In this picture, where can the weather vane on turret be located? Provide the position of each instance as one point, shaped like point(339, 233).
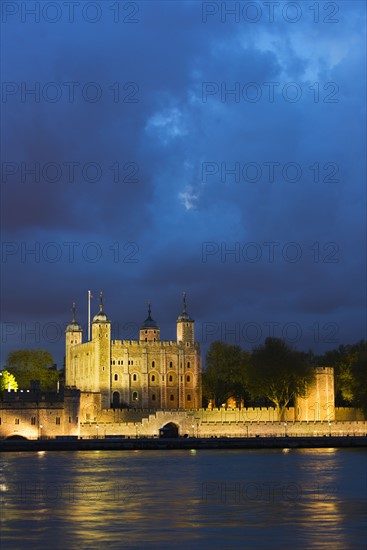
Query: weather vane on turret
point(101, 301)
point(184, 302)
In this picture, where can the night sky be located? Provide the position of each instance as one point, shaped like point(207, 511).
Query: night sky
point(152, 148)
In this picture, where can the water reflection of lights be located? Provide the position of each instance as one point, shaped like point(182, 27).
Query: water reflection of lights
point(326, 450)
point(41, 453)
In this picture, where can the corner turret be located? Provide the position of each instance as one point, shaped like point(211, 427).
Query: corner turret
point(185, 326)
point(149, 330)
point(74, 336)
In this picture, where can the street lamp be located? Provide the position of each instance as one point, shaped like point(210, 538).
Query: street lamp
point(285, 429)
point(329, 428)
point(193, 430)
point(97, 430)
point(40, 431)
point(246, 430)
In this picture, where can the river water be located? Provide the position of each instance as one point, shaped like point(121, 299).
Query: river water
point(184, 499)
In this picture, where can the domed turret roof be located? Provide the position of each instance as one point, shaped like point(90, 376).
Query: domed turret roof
point(73, 326)
point(149, 322)
point(100, 317)
point(184, 316)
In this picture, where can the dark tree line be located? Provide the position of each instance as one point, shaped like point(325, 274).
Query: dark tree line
point(275, 373)
point(27, 365)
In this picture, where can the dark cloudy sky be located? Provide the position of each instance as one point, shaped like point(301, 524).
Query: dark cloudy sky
point(173, 146)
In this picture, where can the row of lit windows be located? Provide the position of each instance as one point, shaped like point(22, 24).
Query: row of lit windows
point(153, 397)
point(33, 420)
point(152, 378)
point(131, 362)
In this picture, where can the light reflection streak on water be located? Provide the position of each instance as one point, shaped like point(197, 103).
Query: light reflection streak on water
point(177, 499)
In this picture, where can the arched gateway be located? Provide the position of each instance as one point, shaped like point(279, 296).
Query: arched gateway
point(169, 430)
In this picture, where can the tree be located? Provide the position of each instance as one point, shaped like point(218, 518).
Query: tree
point(7, 381)
point(279, 373)
point(350, 367)
point(225, 372)
point(37, 364)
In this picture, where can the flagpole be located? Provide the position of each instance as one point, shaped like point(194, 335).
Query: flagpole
point(88, 315)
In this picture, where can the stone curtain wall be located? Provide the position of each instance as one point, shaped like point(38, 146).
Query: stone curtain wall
point(82, 416)
point(217, 423)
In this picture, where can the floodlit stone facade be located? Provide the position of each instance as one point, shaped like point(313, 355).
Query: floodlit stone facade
point(147, 373)
point(319, 403)
point(36, 414)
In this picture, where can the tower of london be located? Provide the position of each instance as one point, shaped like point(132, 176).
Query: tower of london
point(148, 373)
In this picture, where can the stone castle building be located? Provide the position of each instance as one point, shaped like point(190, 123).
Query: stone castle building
point(145, 374)
point(135, 388)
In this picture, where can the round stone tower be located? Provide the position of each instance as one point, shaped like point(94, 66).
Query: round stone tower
point(74, 334)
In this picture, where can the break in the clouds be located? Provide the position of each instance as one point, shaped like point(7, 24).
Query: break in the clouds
point(169, 147)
